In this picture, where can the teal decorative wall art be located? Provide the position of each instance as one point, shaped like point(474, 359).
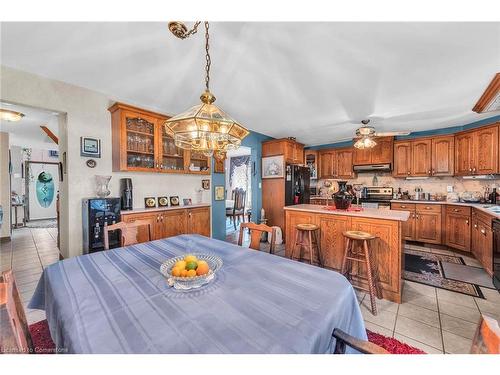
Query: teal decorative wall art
point(44, 189)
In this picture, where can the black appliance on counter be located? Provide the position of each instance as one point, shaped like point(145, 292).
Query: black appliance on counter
point(126, 191)
point(376, 197)
point(297, 184)
point(96, 213)
point(496, 253)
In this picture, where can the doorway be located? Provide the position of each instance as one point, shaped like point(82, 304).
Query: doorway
point(238, 187)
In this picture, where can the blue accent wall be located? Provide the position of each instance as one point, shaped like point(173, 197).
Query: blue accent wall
point(425, 133)
point(254, 142)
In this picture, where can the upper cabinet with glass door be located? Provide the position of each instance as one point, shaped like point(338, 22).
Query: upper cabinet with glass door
point(140, 144)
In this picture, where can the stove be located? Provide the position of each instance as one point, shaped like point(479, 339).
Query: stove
point(376, 197)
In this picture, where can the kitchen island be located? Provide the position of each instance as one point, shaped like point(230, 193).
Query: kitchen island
point(386, 249)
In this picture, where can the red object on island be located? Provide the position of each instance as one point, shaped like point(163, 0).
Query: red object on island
point(350, 209)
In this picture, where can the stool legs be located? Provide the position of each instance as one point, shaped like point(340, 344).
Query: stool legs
point(308, 240)
point(371, 285)
point(298, 235)
point(318, 247)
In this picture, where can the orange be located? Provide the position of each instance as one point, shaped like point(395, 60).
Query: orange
point(203, 268)
point(181, 264)
point(184, 273)
point(190, 258)
point(176, 271)
point(191, 273)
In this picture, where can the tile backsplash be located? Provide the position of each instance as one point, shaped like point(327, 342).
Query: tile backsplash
point(431, 185)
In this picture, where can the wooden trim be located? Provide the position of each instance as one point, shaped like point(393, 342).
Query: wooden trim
point(488, 94)
point(131, 108)
point(49, 133)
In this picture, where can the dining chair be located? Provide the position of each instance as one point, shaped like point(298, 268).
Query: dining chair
point(130, 233)
point(15, 336)
point(238, 209)
point(485, 341)
point(256, 231)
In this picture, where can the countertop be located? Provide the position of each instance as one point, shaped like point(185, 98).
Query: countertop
point(372, 213)
point(480, 206)
point(170, 208)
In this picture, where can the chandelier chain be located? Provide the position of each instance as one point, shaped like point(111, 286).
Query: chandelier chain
point(207, 57)
point(194, 30)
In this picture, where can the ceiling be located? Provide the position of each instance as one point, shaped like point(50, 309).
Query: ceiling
point(27, 131)
point(313, 81)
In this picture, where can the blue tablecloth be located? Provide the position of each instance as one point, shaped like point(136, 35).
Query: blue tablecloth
point(117, 301)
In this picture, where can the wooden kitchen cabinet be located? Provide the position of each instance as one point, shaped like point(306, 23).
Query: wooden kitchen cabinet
point(343, 165)
point(402, 159)
point(476, 151)
point(140, 144)
point(198, 221)
point(326, 164)
point(457, 227)
point(169, 223)
point(332, 241)
point(428, 223)
point(382, 153)
point(292, 151)
point(407, 227)
point(443, 156)
point(482, 239)
point(421, 157)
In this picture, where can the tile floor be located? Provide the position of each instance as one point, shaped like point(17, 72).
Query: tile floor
point(432, 319)
point(30, 250)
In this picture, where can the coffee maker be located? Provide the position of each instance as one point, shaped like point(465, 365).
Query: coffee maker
point(126, 191)
point(96, 213)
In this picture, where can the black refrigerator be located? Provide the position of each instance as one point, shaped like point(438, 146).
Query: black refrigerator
point(297, 181)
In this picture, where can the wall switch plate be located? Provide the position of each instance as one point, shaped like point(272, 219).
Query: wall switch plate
point(260, 185)
point(449, 189)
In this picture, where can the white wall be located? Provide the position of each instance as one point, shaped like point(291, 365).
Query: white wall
point(5, 184)
point(84, 113)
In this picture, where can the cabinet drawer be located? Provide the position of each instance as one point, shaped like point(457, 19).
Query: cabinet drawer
point(428, 208)
point(403, 206)
point(483, 217)
point(459, 210)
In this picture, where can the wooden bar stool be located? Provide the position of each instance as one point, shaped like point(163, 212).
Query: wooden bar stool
point(307, 236)
point(361, 254)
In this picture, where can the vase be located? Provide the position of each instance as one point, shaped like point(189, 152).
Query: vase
point(342, 198)
point(102, 183)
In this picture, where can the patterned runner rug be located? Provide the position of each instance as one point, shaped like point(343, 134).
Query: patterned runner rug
point(426, 268)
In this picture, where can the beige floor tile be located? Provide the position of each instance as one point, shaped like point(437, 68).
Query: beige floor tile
point(417, 344)
point(35, 316)
point(489, 308)
point(491, 295)
point(458, 326)
point(382, 304)
point(456, 298)
point(462, 312)
point(413, 287)
point(424, 333)
point(455, 344)
point(472, 262)
point(384, 319)
point(419, 314)
point(378, 329)
point(427, 301)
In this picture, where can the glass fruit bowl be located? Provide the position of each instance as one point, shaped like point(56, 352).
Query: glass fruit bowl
point(185, 283)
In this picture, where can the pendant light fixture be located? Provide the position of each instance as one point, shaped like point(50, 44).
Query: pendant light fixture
point(205, 127)
point(12, 116)
point(365, 134)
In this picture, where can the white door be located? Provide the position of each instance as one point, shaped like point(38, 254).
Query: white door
point(43, 187)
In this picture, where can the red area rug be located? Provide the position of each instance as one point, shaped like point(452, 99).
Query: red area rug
point(43, 342)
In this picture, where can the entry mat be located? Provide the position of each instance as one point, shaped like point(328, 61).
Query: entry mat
point(427, 268)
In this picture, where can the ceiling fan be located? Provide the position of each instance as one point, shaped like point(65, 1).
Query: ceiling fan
point(364, 135)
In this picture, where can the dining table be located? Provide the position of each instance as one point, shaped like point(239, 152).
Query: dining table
point(118, 301)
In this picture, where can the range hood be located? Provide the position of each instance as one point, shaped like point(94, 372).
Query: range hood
point(481, 177)
point(372, 168)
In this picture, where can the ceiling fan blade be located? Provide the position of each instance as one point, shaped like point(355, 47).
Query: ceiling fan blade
point(391, 134)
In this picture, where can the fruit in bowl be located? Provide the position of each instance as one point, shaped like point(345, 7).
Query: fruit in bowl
point(190, 266)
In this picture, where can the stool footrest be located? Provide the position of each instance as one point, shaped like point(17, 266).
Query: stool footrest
point(362, 260)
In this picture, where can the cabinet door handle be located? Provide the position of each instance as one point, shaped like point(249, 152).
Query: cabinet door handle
point(483, 232)
point(429, 171)
point(403, 206)
point(455, 210)
point(408, 173)
point(157, 218)
point(474, 169)
point(475, 225)
point(467, 222)
point(470, 169)
point(161, 166)
point(427, 208)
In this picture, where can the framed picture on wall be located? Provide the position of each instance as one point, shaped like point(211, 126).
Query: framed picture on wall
point(205, 184)
point(273, 167)
point(90, 147)
point(219, 193)
point(219, 165)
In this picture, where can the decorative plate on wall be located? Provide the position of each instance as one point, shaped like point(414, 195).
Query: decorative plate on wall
point(174, 201)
